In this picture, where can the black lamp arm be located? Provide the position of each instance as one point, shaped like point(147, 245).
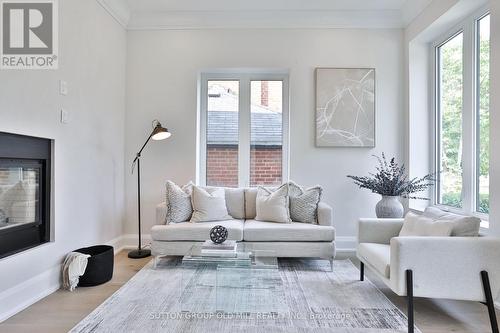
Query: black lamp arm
point(155, 123)
point(138, 155)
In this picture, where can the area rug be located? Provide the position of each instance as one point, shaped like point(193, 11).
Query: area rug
point(302, 296)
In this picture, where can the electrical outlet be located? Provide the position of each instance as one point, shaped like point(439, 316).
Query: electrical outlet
point(63, 87)
point(64, 116)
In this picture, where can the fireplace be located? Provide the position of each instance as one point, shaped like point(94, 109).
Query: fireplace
point(25, 192)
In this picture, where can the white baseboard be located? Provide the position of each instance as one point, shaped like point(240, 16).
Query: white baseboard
point(129, 241)
point(19, 297)
point(345, 244)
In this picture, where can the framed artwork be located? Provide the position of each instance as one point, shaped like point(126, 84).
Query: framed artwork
point(345, 107)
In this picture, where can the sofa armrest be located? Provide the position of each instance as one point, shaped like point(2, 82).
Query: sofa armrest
point(325, 214)
point(378, 230)
point(161, 213)
point(445, 267)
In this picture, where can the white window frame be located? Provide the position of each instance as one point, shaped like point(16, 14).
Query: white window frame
point(468, 27)
point(245, 77)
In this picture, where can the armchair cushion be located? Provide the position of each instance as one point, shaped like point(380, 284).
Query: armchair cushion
point(419, 225)
point(463, 226)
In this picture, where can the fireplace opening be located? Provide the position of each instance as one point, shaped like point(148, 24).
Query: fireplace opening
point(24, 192)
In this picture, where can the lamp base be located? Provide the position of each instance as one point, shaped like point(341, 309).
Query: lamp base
point(139, 253)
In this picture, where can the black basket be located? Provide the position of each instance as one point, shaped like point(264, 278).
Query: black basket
point(99, 266)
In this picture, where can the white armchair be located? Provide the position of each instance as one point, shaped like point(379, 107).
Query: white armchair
point(460, 268)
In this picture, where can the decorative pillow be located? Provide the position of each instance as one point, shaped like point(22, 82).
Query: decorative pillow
point(304, 203)
point(208, 204)
point(463, 226)
point(235, 200)
point(178, 201)
point(272, 206)
point(419, 225)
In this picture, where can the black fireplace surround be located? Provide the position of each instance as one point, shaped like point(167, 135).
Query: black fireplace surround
point(25, 192)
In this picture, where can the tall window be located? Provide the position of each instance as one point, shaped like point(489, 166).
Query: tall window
point(244, 128)
point(462, 117)
point(450, 59)
point(483, 114)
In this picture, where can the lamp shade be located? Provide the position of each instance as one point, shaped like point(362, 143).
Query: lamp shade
point(160, 133)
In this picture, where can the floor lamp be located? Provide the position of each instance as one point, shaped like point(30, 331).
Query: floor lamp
point(158, 133)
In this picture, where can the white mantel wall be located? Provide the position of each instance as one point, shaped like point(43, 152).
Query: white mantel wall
point(88, 165)
point(162, 73)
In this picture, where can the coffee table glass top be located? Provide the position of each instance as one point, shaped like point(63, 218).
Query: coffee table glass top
point(245, 256)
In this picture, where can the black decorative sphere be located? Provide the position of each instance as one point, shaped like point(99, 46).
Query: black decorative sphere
point(218, 234)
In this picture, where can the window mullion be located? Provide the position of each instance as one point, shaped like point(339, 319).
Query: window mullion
point(244, 132)
point(468, 119)
point(202, 154)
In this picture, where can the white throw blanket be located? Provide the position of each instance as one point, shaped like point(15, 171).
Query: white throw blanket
point(73, 267)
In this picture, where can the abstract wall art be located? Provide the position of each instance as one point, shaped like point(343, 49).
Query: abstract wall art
point(345, 107)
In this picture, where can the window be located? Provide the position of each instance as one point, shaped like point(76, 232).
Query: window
point(450, 60)
point(243, 129)
point(483, 114)
point(462, 117)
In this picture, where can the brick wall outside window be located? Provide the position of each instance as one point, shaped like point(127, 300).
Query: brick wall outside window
point(265, 166)
point(222, 166)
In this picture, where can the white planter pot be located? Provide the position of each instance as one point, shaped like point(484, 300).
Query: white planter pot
point(389, 207)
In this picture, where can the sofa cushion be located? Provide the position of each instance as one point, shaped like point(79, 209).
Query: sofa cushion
point(208, 204)
point(260, 231)
point(273, 205)
point(187, 231)
point(463, 226)
point(250, 202)
point(235, 202)
point(377, 255)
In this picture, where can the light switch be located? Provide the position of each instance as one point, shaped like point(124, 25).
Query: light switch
point(63, 87)
point(64, 116)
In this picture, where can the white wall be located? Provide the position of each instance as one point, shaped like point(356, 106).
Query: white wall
point(162, 73)
point(89, 179)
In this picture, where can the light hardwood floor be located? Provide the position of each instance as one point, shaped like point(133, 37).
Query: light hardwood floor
point(61, 310)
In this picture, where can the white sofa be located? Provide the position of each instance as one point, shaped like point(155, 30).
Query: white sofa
point(460, 268)
point(285, 239)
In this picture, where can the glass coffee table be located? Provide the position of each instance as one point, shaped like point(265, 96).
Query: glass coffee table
point(249, 282)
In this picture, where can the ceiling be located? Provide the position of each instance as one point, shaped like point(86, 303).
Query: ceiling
point(199, 14)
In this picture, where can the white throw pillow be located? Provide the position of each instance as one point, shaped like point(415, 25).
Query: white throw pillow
point(178, 201)
point(419, 225)
point(304, 203)
point(272, 206)
point(463, 226)
point(208, 204)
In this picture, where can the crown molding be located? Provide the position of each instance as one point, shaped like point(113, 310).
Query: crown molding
point(157, 19)
point(264, 20)
point(118, 10)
